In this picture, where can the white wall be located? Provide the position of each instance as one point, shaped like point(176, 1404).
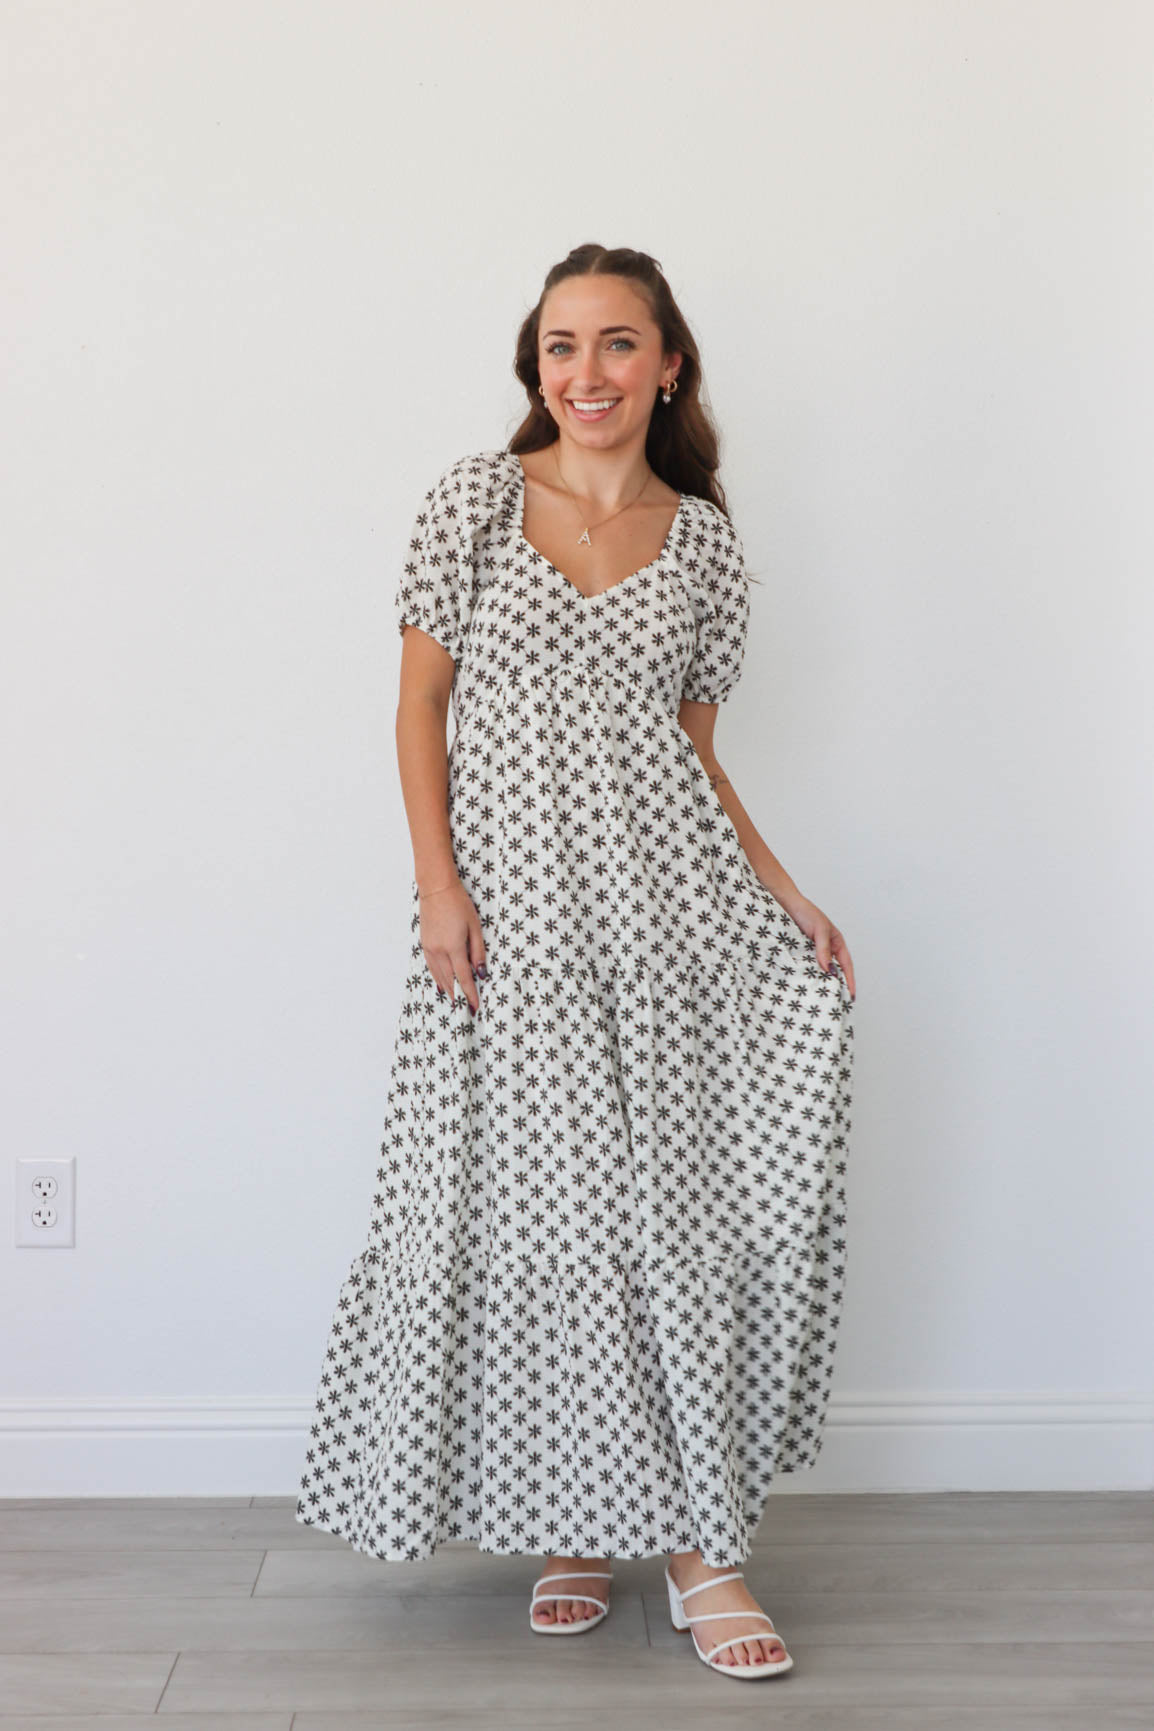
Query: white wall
point(265, 263)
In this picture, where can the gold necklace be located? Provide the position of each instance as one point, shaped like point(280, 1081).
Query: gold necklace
point(584, 536)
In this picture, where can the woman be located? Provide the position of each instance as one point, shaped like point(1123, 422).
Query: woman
point(598, 1309)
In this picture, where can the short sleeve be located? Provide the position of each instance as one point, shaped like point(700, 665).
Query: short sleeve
point(722, 607)
point(436, 584)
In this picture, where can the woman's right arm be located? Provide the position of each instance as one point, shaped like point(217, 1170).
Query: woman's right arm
point(451, 936)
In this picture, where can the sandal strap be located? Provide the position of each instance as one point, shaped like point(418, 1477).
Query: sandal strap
point(722, 1616)
point(716, 1582)
point(539, 1597)
point(575, 1574)
point(588, 1597)
point(721, 1645)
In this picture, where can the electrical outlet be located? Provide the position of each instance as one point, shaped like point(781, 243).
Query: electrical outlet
point(46, 1202)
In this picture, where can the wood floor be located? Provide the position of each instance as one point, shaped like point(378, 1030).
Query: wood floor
point(1009, 1612)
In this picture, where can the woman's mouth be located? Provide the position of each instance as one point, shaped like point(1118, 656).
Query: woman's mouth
point(592, 408)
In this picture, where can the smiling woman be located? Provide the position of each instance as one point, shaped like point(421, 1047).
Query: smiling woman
point(597, 1311)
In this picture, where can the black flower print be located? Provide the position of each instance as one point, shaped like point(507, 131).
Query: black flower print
point(598, 1306)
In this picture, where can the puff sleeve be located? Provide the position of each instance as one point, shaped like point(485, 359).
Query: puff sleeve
point(722, 616)
point(435, 591)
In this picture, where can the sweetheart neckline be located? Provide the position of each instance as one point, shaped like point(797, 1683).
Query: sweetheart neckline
point(568, 581)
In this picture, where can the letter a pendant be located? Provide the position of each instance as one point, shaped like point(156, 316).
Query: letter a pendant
point(584, 538)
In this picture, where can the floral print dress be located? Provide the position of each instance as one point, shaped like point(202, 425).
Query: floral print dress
point(597, 1310)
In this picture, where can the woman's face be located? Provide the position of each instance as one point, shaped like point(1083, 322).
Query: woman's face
point(598, 344)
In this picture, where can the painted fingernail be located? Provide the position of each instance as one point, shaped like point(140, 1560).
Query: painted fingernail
point(483, 971)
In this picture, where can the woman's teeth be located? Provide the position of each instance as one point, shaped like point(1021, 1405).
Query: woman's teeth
point(600, 407)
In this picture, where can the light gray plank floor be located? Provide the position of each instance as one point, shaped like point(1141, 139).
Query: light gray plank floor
point(939, 1612)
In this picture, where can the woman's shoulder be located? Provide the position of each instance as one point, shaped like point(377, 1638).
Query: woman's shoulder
point(479, 472)
point(709, 517)
point(480, 468)
point(475, 489)
point(709, 545)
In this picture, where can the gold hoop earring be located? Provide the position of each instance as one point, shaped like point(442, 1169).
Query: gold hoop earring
point(666, 396)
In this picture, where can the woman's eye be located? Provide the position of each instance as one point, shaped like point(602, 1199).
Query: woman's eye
point(552, 348)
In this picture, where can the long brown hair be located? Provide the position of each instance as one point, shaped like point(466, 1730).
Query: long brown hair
point(682, 442)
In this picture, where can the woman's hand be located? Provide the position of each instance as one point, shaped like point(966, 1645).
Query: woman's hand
point(452, 941)
point(825, 935)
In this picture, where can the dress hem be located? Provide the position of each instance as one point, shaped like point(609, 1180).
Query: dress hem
point(475, 1541)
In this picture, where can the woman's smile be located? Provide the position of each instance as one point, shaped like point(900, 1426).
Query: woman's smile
point(592, 408)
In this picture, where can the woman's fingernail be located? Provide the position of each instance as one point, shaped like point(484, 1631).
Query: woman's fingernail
point(482, 971)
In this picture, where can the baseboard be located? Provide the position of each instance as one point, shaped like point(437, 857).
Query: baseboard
point(189, 1446)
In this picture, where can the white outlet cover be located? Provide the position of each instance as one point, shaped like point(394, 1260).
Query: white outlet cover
point(33, 1204)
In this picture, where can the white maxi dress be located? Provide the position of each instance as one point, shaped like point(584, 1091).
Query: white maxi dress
point(598, 1305)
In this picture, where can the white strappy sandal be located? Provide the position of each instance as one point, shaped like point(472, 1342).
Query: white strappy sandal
point(768, 1667)
point(582, 1623)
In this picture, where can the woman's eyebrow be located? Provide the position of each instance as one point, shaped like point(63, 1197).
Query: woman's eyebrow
point(605, 331)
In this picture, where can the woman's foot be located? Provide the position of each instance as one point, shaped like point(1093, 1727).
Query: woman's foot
point(688, 1570)
point(571, 1610)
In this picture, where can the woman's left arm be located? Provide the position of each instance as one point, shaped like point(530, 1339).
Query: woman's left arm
point(698, 720)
